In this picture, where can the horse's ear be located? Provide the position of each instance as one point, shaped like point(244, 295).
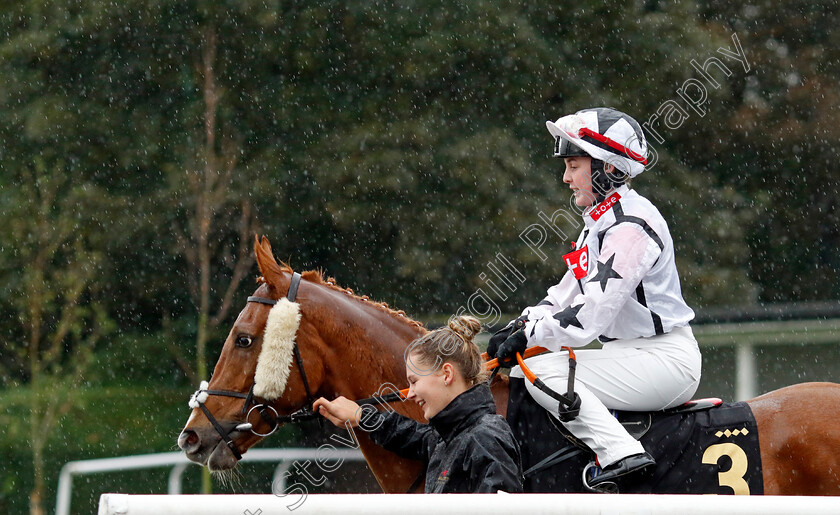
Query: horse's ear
point(269, 268)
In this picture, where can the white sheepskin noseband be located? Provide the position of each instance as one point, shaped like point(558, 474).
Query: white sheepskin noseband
point(275, 359)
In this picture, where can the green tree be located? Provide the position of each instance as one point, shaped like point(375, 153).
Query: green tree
point(51, 264)
point(781, 148)
point(400, 147)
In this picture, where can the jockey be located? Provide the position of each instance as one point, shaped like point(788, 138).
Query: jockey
point(621, 287)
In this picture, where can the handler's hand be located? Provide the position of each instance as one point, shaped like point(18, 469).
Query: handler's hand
point(337, 411)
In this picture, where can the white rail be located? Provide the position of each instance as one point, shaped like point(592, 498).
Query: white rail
point(457, 504)
point(746, 337)
point(179, 462)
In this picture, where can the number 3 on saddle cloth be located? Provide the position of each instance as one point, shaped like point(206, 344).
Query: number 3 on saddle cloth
point(704, 450)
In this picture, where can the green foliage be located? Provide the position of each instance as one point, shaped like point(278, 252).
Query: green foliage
point(102, 422)
point(383, 143)
point(398, 146)
point(781, 147)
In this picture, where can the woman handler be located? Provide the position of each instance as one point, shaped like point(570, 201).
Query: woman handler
point(621, 287)
point(466, 447)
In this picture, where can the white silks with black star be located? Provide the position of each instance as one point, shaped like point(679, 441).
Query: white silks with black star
point(631, 288)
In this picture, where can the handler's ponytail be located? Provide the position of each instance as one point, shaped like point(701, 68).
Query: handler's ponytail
point(453, 344)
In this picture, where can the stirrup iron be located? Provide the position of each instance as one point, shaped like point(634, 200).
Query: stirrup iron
point(591, 471)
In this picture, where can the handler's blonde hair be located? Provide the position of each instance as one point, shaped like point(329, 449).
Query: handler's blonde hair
point(452, 344)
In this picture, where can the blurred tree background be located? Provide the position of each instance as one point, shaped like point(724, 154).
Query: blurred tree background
point(398, 146)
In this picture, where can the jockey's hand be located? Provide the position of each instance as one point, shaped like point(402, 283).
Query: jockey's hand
point(502, 334)
point(338, 411)
point(516, 342)
point(498, 338)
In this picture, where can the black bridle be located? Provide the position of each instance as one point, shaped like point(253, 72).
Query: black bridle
point(267, 412)
point(291, 295)
point(304, 413)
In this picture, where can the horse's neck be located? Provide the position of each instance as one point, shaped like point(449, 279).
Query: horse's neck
point(364, 348)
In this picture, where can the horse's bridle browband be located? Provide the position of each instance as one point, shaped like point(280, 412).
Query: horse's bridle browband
point(273, 420)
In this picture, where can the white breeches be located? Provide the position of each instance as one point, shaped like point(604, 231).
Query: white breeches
point(643, 374)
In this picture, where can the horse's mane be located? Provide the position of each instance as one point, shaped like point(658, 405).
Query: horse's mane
point(317, 277)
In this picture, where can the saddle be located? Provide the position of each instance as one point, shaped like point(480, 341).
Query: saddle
point(637, 423)
point(703, 447)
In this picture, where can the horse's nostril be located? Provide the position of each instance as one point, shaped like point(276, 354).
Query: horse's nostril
point(188, 440)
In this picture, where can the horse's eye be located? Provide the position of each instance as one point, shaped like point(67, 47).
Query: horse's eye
point(243, 341)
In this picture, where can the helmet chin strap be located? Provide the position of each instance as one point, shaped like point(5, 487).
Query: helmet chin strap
point(603, 182)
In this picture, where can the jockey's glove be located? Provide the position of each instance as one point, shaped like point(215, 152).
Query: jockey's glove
point(502, 334)
point(515, 343)
point(498, 338)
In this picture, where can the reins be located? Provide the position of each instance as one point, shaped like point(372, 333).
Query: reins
point(568, 408)
point(569, 404)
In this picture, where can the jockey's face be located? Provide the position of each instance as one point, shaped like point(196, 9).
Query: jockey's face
point(578, 176)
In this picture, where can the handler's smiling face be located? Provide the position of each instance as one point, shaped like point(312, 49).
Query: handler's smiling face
point(426, 387)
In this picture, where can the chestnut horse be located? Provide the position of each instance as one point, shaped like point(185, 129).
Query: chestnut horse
point(351, 346)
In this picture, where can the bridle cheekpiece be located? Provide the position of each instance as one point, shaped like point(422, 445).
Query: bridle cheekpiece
point(198, 399)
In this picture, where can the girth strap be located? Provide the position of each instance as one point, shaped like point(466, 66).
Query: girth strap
point(561, 455)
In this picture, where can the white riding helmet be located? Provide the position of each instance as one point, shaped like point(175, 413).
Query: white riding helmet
point(602, 133)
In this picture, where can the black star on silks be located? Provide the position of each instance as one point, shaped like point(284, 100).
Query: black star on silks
point(568, 317)
point(605, 273)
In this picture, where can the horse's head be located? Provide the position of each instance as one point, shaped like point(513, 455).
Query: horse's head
point(256, 384)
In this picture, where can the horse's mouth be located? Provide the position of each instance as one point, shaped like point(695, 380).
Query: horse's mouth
point(216, 457)
point(221, 458)
point(212, 452)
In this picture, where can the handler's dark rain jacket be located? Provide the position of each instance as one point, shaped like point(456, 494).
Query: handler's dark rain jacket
point(466, 447)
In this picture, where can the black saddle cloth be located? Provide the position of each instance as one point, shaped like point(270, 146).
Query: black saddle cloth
point(712, 451)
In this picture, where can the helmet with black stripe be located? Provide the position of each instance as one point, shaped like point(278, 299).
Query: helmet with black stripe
point(607, 136)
